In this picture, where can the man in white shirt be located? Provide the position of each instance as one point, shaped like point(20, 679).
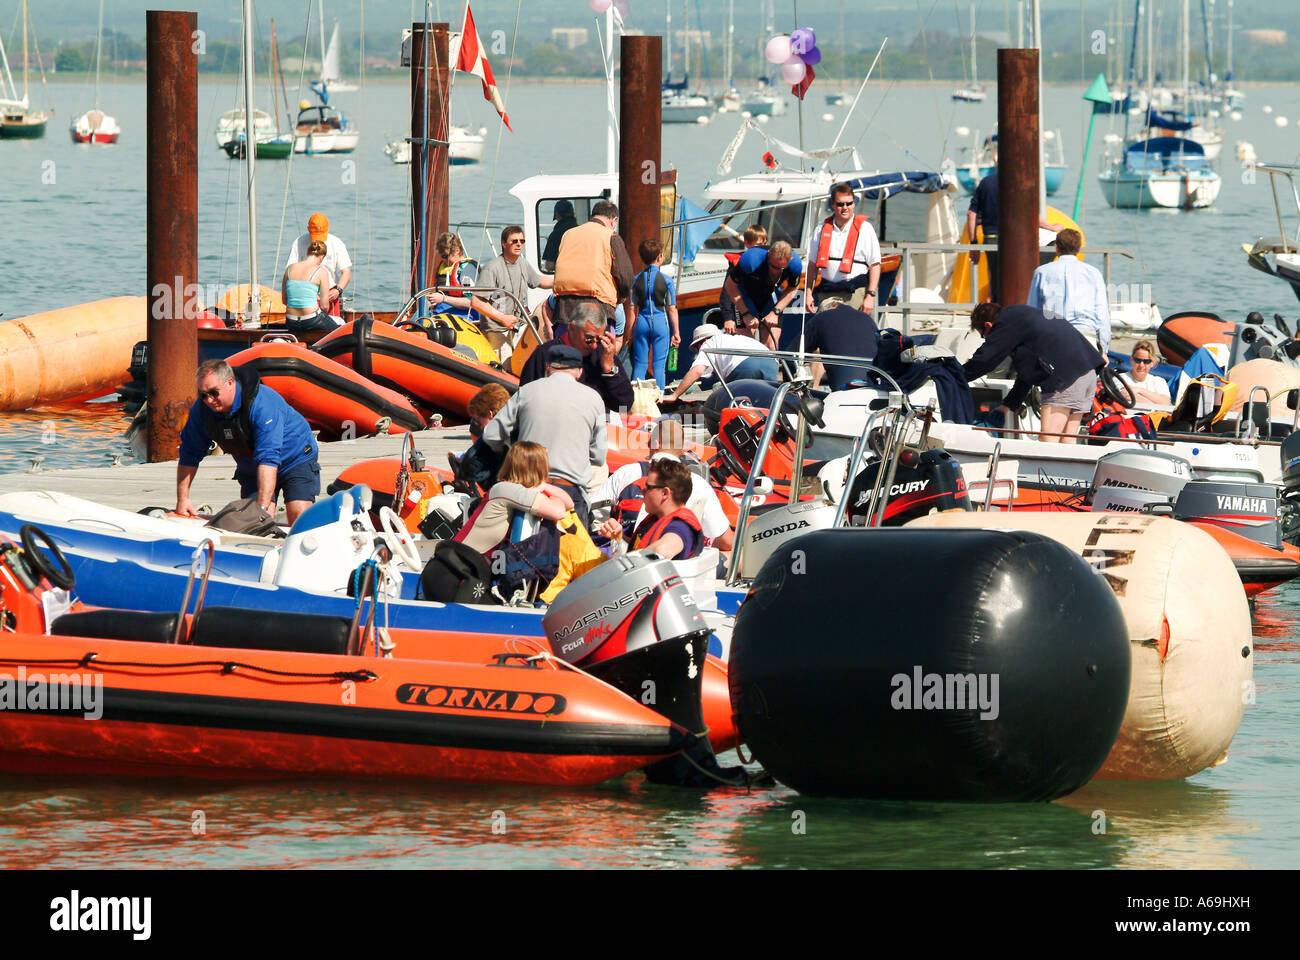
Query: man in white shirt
point(725, 367)
point(336, 261)
point(622, 495)
point(846, 251)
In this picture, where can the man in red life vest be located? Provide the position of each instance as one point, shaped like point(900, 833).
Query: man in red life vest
point(847, 254)
point(670, 528)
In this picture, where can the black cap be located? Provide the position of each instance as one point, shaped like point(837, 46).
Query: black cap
point(561, 357)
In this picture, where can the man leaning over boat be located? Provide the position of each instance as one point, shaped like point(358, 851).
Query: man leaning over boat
point(272, 444)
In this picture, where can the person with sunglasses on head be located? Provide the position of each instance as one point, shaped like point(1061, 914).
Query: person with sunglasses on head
point(272, 444)
point(515, 274)
point(589, 334)
point(848, 255)
point(1149, 390)
point(670, 528)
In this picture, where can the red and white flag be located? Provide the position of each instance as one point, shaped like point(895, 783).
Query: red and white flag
point(469, 55)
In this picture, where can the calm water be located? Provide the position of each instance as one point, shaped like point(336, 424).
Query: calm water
point(1239, 815)
point(74, 231)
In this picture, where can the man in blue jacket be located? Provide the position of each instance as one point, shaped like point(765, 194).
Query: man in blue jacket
point(1045, 352)
point(270, 441)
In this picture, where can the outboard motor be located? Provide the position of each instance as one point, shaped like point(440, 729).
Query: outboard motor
point(1289, 453)
point(632, 623)
point(766, 532)
point(923, 483)
point(623, 605)
point(1247, 509)
point(1127, 481)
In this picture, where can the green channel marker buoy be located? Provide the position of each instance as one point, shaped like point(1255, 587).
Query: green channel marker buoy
point(1099, 92)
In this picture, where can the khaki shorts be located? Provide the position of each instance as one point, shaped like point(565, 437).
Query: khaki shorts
point(1076, 397)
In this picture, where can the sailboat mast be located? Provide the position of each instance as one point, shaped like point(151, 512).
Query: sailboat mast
point(252, 317)
point(686, 40)
point(668, 36)
point(1187, 51)
point(320, 7)
point(270, 78)
point(24, 53)
point(731, 34)
point(1228, 74)
point(974, 77)
point(99, 46)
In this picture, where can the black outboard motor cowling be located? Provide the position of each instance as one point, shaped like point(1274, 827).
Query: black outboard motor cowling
point(923, 483)
point(1250, 510)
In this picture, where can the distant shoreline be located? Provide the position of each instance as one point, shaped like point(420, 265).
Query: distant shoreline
point(392, 77)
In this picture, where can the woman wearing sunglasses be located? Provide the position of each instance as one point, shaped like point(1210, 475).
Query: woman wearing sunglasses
point(1151, 391)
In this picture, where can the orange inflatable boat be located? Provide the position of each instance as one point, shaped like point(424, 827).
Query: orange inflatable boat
point(1182, 334)
point(334, 399)
point(254, 693)
point(440, 377)
point(79, 352)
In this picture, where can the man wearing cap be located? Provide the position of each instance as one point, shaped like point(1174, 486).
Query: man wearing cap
point(622, 496)
point(713, 366)
point(562, 415)
point(336, 261)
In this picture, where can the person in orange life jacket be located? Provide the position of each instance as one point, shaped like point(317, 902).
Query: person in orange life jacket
point(270, 441)
point(670, 528)
point(622, 495)
point(653, 294)
point(847, 255)
point(592, 266)
point(521, 485)
point(755, 235)
point(765, 282)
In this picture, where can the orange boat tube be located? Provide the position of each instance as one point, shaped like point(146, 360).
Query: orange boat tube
point(75, 352)
point(1259, 566)
point(440, 377)
point(331, 397)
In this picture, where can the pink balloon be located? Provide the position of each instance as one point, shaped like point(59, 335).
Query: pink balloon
point(778, 50)
point(600, 6)
point(793, 71)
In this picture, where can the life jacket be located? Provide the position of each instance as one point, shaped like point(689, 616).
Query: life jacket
point(234, 435)
point(850, 245)
point(629, 501)
point(650, 301)
point(652, 528)
point(1137, 427)
point(584, 266)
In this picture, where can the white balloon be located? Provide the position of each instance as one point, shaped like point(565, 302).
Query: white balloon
point(1280, 121)
point(778, 50)
point(793, 71)
point(600, 6)
point(828, 117)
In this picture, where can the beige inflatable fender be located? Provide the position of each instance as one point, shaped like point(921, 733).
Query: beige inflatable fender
point(1189, 633)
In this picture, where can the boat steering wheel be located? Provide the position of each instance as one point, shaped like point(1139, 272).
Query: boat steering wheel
point(54, 567)
point(399, 539)
point(1117, 389)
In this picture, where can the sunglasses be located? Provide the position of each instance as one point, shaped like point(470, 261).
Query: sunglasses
point(516, 240)
point(588, 338)
point(656, 486)
point(212, 394)
point(1145, 362)
point(846, 203)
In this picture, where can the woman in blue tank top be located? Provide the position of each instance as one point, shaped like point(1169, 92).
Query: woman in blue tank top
point(306, 290)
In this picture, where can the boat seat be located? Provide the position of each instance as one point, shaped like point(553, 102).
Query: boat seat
point(138, 625)
point(270, 630)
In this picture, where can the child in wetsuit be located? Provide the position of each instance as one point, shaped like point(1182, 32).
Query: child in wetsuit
point(656, 303)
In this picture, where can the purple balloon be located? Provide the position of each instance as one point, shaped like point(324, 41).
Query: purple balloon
point(812, 57)
point(803, 40)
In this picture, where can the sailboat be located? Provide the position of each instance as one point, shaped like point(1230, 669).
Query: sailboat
point(329, 68)
point(680, 103)
point(270, 144)
point(17, 119)
point(95, 126)
point(974, 91)
point(766, 100)
point(321, 128)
